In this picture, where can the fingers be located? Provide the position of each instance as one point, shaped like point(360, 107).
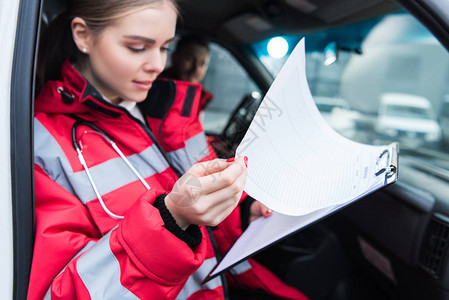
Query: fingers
point(208, 209)
point(258, 210)
point(226, 197)
point(226, 177)
point(217, 206)
point(214, 207)
point(264, 210)
point(209, 167)
point(207, 193)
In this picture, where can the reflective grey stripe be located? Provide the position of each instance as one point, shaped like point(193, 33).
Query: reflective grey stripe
point(241, 268)
point(195, 149)
point(50, 157)
point(48, 294)
point(87, 246)
point(193, 284)
point(99, 270)
point(114, 173)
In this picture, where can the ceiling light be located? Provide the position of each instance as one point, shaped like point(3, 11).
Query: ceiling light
point(277, 47)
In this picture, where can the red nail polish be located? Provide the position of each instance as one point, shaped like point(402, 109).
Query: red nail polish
point(245, 159)
point(230, 159)
point(267, 213)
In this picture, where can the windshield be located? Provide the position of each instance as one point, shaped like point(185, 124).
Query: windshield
point(325, 108)
point(392, 57)
point(411, 112)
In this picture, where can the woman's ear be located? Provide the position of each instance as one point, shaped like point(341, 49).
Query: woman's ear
point(81, 34)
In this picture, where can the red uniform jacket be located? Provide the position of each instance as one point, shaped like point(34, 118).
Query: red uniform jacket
point(83, 253)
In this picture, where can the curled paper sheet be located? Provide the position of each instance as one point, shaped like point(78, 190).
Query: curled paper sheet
point(299, 166)
point(296, 162)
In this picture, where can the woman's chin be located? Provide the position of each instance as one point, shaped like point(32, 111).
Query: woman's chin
point(138, 97)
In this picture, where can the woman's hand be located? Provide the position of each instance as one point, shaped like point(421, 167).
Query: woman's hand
point(207, 193)
point(257, 210)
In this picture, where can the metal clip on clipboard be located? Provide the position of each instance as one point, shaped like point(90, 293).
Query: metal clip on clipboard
point(390, 165)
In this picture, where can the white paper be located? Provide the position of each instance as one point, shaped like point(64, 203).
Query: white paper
point(297, 164)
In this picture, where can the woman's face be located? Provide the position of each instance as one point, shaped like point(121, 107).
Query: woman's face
point(125, 58)
point(191, 63)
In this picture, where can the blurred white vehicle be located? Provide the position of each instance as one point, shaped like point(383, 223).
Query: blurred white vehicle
point(338, 114)
point(409, 119)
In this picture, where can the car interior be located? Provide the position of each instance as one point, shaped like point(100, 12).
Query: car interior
point(391, 244)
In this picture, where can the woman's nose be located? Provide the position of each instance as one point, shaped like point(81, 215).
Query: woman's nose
point(155, 62)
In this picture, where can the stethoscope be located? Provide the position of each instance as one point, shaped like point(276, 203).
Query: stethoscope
point(79, 149)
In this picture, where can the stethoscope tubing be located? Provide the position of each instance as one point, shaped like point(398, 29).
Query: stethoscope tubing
point(79, 150)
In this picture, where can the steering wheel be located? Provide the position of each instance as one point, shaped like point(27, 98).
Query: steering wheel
point(240, 120)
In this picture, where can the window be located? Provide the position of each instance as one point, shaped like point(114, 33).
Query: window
point(229, 83)
point(392, 75)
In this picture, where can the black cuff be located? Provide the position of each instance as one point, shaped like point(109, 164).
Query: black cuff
point(245, 211)
point(191, 236)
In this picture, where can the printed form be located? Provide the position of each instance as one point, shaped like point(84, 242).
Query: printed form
point(298, 166)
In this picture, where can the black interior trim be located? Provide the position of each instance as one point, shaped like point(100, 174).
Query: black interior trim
point(414, 197)
point(22, 91)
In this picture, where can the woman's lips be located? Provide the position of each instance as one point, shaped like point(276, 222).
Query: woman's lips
point(143, 85)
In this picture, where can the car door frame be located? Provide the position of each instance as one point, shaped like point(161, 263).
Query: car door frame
point(21, 139)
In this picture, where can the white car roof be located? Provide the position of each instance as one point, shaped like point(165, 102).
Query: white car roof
point(405, 100)
point(331, 101)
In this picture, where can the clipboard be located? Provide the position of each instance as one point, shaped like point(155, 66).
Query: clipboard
point(391, 166)
point(330, 173)
point(386, 167)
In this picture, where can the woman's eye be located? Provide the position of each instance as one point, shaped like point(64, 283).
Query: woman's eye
point(165, 49)
point(137, 49)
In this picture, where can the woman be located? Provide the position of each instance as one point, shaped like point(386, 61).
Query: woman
point(120, 221)
point(189, 62)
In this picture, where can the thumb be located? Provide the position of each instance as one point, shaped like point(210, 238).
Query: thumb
point(209, 167)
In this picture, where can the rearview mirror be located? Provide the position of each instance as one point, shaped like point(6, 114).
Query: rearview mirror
point(330, 53)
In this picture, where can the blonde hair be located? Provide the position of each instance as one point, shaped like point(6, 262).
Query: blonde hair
point(99, 13)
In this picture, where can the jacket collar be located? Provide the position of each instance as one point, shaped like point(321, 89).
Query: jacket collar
point(73, 94)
